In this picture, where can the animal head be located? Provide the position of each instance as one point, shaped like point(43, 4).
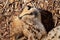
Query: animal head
point(30, 12)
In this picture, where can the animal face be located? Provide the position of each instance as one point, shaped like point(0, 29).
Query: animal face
point(30, 12)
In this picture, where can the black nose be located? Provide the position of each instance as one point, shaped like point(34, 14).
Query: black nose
point(20, 17)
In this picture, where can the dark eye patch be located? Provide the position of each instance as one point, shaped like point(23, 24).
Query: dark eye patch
point(29, 7)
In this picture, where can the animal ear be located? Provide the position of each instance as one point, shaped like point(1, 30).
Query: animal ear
point(47, 19)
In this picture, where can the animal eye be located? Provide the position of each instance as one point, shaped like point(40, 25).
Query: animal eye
point(29, 7)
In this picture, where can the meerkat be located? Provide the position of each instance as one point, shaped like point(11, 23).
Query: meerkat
point(28, 25)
